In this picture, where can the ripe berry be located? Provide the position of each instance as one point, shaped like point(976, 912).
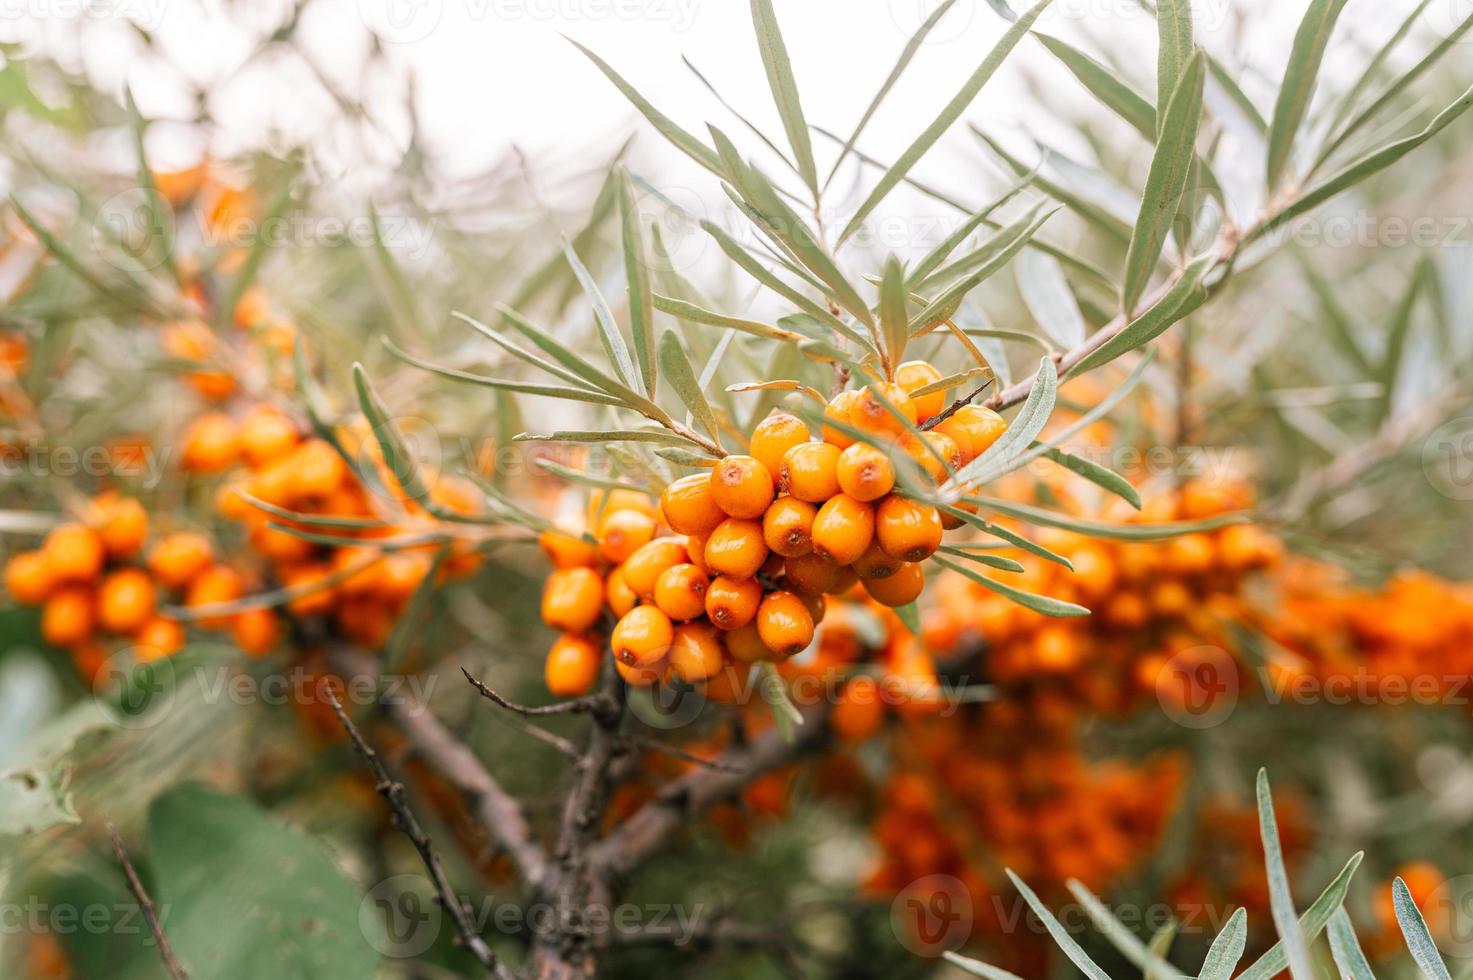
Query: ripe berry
point(572, 599)
point(745, 645)
point(162, 634)
point(973, 429)
point(618, 594)
point(918, 374)
point(772, 439)
point(316, 469)
point(636, 676)
point(696, 652)
point(876, 562)
point(643, 568)
point(211, 443)
point(903, 587)
point(312, 593)
point(907, 529)
point(865, 473)
point(122, 525)
point(266, 433)
point(843, 529)
point(840, 409)
point(731, 603)
point(643, 637)
point(28, 577)
point(622, 532)
point(215, 585)
point(255, 631)
point(785, 624)
point(876, 408)
point(680, 592)
point(787, 527)
point(619, 498)
point(568, 550)
point(742, 486)
point(813, 573)
point(859, 712)
point(67, 618)
point(810, 472)
point(689, 506)
point(126, 600)
point(571, 666)
point(736, 548)
point(74, 553)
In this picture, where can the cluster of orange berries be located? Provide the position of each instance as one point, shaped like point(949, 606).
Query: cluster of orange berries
point(758, 542)
point(94, 582)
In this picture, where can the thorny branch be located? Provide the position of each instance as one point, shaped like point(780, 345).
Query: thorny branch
point(145, 904)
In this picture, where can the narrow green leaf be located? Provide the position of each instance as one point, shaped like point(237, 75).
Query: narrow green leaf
point(684, 457)
point(937, 255)
point(1042, 604)
point(977, 968)
point(982, 558)
point(893, 319)
point(784, 89)
point(1105, 84)
point(756, 131)
point(660, 436)
point(1018, 436)
point(1060, 934)
point(1048, 297)
point(1000, 250)
point(1237, 96)
point(579, 379)
point(948, 115)
point(409, 622)
point(397, 294)
point(910, 617)
point(1174, 36)
point(608, 328)
point(1184, 296)
point(682, 310)
point(1118, 934)
point(588, 479)
point(1311, 923)
point(401, 464)
point(1005, 534)
point(1414, 930)
point(637, 274)
point(1227, 949)
point(1097, 216)
point(1345, 948)
point(1281, 900)
point(1100, 476)
point(575, 393)
point(315, 520)
point(1396, 338)
point(1371, 71)
point(1099, 529)
point(1166, 181)
point(683, 379)
point(1297, 88)
point(160, 218)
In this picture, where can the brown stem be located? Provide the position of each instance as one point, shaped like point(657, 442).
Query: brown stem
point(150, 915)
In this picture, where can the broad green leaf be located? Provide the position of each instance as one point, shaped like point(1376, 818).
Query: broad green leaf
point(1105, 84)
point(1310, 42)
point(1099, 529)
point(579, 393)
point(784, 89)
point(1414, 930)
point(1184, 296)
point(1060, 934)
point(948, 115)
point(682, 310)
point(1166, 181)
point(1174, 37)
point(608, 329)
point(1345, 948)
point(893, 321)
point(1227, 949)
point(1042, 604)
point(1018, 436)
point(1048, 297)
point(977, 968)
point(683, 379)
point(637, 274)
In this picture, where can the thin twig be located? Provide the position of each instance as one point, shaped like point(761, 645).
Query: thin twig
point(150, 915)
point(952, 409)
point(576, 706)
point(655, 745)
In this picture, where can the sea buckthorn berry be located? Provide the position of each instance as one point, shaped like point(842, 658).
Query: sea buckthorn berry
point(122, 524)
point(74, 553)
point(68, 616)
point(729, 683)
point(913, 375)
point(572, 599)
point(787, 527)
point(689, 506)
point(813, 573)
point(644, 568)
point(950, 522)
point(571, 666)
point(266, 433)
point(695, 550)
point(907, 529)
point(840, 409)
point(126, 600)
point(680, 592)
point(316, 469)
point(810, 472)
point(745, 644)
point(773, 566)
point(643, 637)
point(898, 589)
point(568, 550)
point(28, 577)
point(618, 594)
point(215, 585)
point(312, 593)
point(696, 652)
point(942, 445)
point(876, 562)
point(1057, 648)
point(858, 712)
point(973, 428)
point(784, 623)
point(736, 548)
point(1191, 554)
point(162, 634)
point(843, 529)
point(622, 532)
point(255, 630)
point(742, 486)
point(636, 676)
point(731, 603)
point(211, 443)
point(619, 498)
point(816, 604)
point(772, 439)
point(872, 413)
point(865, 473)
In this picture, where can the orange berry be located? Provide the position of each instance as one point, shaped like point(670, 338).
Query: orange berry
point(1057, 648)
point(745, 644)
point(876, 562)
point(973, 429)
point(74, 553)
point(865, 473)
point(636, 676)
point(772, 439)
point(214, 585)
point(898, 589)
point(840, 409)
point(731, 603)
point(619, 498)
point(787, 527)
point(279, 545)
point(876, 408)
point(940, 446)
point(180, 557)
point(255, 631)
point(68, 617)
point(810, 472)
point(689, 506)
point(785, 624)
point(741, 486)
point(812, 573)
point(161, 634)
point(1191, 554)
point(565, 550)
point(918, 374)
point(312, 595)
point(736, 549)
point(858, 712)
point(211, 443)
point(623, 532)
point(907, 529)
point(316, 469)
point(696, 652)
point(266, 433)
point(618, 594)
point(122, 524)
point(572, 665)
point(843, 529)
point(643, 568)
point(572, 599)
point(642, 637)
point(399, 574)
point(680, 592)
point(816, 604)
point(28, 577)
point(126, 600)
